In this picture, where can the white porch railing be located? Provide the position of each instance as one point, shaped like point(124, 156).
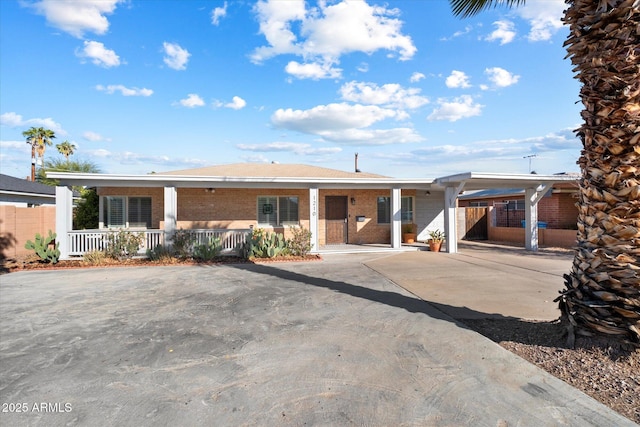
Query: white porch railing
point(84, 241)
point(230, 239)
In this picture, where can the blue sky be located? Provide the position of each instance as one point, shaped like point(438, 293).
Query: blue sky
point(143, 85)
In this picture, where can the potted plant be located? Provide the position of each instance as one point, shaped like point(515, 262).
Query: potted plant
point(408, 235)
point(436, 239)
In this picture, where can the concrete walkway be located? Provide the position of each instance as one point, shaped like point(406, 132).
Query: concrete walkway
point(327, 343)
point(482, 280)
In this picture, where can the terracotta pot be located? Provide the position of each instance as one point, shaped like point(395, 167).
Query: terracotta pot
point(434, 246)
point(408, 237)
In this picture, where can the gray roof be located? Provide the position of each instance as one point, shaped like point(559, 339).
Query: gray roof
point(16, 185)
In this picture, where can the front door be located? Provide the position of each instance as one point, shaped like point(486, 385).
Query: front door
point(336, 219)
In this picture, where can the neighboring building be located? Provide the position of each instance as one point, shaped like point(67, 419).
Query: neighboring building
point(25, 194)
point(338, 207)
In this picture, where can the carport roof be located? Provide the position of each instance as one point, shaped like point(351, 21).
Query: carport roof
point(482, 181)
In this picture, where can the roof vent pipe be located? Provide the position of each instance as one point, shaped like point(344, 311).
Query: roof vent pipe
point(356, 166)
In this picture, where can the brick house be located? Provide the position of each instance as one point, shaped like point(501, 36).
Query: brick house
point(338, 207)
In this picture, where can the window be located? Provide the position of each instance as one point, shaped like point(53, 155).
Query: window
point(384, 210)
point(515, 205)
point(478, 204)
point(140, 212)
point(136, 211)
point(406, 210)
point(276, 211)
point(113, 212)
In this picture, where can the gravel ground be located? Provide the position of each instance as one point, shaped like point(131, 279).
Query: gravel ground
point(605, 369)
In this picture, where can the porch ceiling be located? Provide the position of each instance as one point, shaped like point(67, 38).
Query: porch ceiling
point(471, 181)
point(191, 181)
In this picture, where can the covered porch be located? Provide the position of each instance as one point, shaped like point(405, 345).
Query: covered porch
point(434, 204)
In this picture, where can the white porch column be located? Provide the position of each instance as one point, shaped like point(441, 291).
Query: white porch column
point(531, 198)
point(450, 205)
point(64, 219)
point(170, 213)
point(313, 218)
point(396, 219)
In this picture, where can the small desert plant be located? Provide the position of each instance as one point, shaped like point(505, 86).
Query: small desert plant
point(182, 243)
point(437, 235)
point(45, 247)
point(95, 258)
point(300, 243)
point(264, 244)
point(407, 228)
point(207, 251)
point(123, 244)
point(159, 253)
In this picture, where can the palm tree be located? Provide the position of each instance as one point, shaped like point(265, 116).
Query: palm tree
point(45, 140)
point(66, 149)
point(602, 291)
point(38, 138)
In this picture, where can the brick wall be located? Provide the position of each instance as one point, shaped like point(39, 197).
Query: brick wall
point(156, 194)
point(236, 208)
point(17, 225)
point(559, 211)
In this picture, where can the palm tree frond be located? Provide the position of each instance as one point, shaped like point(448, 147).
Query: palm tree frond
point(468, 8)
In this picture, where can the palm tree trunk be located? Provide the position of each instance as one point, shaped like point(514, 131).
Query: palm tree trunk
point(33, 162)
point(602, 292)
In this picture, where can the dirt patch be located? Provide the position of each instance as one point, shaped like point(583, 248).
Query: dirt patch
point(33, 263)
point(604, 368)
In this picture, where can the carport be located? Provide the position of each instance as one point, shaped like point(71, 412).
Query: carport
point(535, 187)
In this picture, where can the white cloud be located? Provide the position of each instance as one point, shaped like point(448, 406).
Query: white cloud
point(131, 158)
point(78, 16)
point(330, 117)
point(94, 137)
point(460, 108)
point(218, 13)
point(192, 100)
point(363, 67)
point(125, 91)
point(504, 32)
point(460, 33)
point(416, 77)
point(13, 120)
point(457, 79)
point(99, 55)
point(175, 56)
point(390, 95)
point(328, 31)
point(345, 123)
point(236, 103)
point(501, 77)
point(373, 136)
point(313, 71)
point(293, 147)
point(544, 16)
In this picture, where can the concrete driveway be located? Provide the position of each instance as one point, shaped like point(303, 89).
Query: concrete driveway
point(321, 343)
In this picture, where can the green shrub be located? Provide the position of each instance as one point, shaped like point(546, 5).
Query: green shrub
point(300, 243)
point(45, 247)
point(207, 251)
point(123, 244)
